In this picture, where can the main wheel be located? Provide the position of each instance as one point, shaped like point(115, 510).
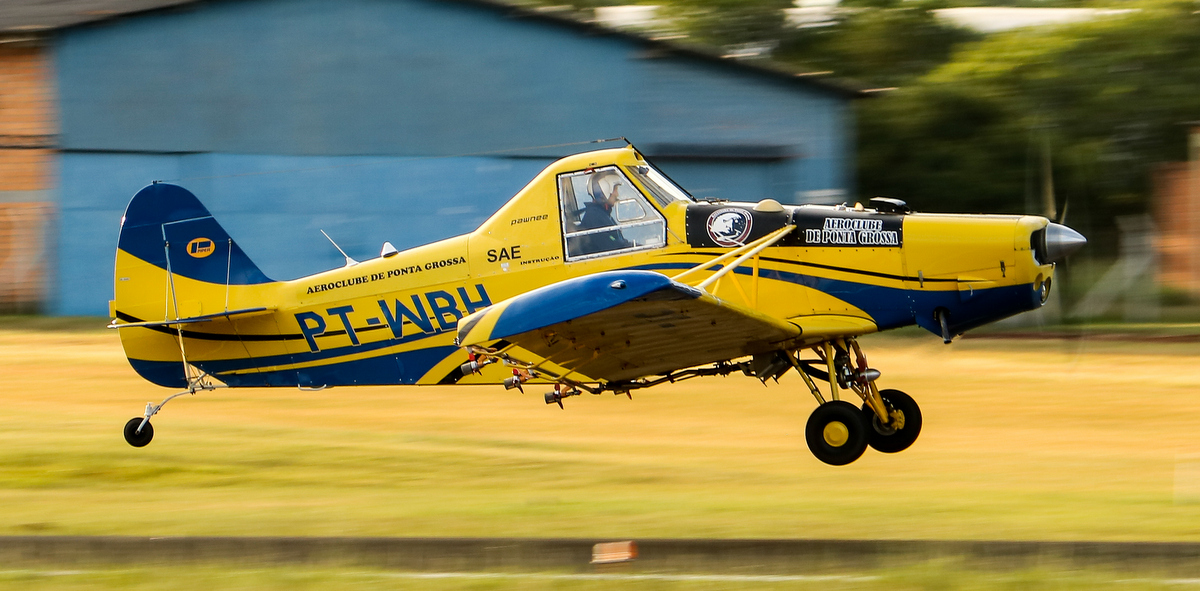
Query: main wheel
point(905, 411)
point(836, 433)
point(132, 437)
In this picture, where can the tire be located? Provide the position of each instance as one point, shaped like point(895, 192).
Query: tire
point(132, 437)
point(836, 433)
point(890, 441)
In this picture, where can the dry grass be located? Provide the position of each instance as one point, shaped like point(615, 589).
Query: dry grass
point(1023, 440)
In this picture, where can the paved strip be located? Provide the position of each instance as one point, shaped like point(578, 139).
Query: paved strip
point(1175, 560)
point(635, 577)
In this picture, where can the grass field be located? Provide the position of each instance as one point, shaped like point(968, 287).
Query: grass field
point(917, 578)
point(1024, 439)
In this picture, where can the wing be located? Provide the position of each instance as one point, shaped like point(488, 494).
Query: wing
point(622, 325)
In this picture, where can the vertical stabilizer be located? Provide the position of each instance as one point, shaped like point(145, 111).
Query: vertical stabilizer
point(165, 220)
point(174, 261)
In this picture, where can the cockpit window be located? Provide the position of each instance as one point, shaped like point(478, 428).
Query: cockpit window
point(660, 187)
point(604, 213)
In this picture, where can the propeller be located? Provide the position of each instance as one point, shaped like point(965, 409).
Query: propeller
point(1061, 242)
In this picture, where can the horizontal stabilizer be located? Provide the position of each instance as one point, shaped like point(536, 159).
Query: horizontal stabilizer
point(176, 266)
point(194, 319)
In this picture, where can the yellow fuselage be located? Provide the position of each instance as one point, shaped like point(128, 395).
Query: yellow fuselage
point(392, 320)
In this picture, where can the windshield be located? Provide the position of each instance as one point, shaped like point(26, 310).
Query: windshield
point(660, 187)
point(603, 213)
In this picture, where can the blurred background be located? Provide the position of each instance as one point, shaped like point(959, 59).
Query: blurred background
point(413, 120)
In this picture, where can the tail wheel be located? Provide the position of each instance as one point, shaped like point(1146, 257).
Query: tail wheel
point(132, 437)
point(836, 433)
point(905, 413)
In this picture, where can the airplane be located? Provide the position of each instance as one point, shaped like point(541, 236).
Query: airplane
point(600, 275)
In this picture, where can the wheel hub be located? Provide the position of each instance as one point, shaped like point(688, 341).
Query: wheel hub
point(881, 428)
point(836, 434)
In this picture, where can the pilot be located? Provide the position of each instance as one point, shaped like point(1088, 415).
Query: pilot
point(597, 213)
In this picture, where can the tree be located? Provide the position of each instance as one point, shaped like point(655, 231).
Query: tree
point(731, 22)
point(888, 43)
point(1107, 96)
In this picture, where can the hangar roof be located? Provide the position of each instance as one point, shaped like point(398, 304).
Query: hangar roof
point(25, 20)
point(32, 16)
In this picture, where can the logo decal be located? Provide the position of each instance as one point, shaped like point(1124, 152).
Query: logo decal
point(201, 247)
point(851, 232)
point(729, 226)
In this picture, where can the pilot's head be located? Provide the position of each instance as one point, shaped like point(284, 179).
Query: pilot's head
point(603, 186)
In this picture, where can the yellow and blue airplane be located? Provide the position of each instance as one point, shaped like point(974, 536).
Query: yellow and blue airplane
point(601, 275)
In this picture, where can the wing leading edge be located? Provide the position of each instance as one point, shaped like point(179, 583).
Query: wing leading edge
point(622, 325)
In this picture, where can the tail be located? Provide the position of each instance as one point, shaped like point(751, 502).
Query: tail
point(167, 227)
point(175, 262)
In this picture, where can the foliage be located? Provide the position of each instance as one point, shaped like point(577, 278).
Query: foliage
point(1107, 97)
point(731, 22)
point(880, 42)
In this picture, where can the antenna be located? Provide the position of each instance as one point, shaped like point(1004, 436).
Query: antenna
point(349, 261)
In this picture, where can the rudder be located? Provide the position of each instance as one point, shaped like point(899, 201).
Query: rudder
point(167, 226)
point(174, 261)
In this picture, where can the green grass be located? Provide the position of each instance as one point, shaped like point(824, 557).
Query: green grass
point(1058, 440)
point(925, 577)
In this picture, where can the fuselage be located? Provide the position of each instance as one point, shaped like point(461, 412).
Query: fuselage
point(392, 320)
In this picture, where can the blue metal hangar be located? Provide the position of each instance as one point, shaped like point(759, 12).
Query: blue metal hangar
point(399, 120)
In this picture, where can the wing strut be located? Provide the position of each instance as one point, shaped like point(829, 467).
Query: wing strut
point(187, 368)
point(745, 252)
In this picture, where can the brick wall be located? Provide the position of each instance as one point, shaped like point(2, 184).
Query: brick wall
point(28, 124)
point(1177, 215)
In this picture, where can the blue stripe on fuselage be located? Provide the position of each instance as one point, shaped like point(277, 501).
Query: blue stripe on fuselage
point(219, 366)
point(383, 370)
point(891, 307)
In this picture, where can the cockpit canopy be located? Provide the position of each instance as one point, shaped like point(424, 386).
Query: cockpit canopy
point(604, 213)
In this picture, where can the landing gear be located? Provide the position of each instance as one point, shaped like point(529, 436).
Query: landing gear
point(888, 421)
point(904, 427)
point(836, 433)
point(137, 434)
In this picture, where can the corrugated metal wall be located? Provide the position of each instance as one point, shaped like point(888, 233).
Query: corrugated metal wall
point(356, 116)
point(27, 174)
